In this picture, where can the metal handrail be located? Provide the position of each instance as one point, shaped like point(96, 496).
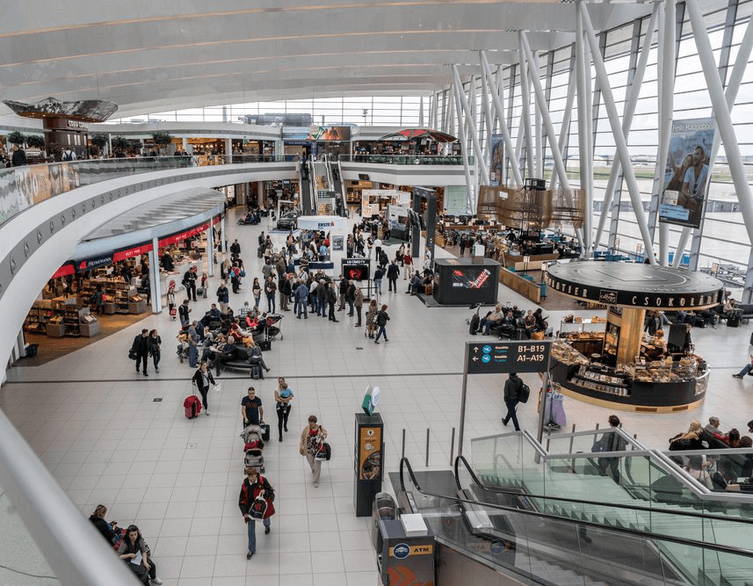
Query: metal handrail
point(72, 546)
point(404, 463)
point(502, 490)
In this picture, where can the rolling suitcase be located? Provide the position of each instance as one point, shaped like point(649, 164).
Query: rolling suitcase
point(475, 320)
point(733, 321)
point(264, 431)
point(255, 372)
point(192, 405)
point(558, 409)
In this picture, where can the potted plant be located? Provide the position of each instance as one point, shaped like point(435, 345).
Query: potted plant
point(162, 138)
point(16, 137)
point(99, 141)
point(119, 145)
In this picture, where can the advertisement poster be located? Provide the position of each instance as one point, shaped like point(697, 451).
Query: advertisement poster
point(323, 133)
point(686, 175)
point(370, 453)
point(497, 164)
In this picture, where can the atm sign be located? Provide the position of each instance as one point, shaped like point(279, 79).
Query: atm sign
point(403, 550)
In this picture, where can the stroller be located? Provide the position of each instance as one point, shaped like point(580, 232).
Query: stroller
point(182, 350)
point(273, 327)
point(253, 447)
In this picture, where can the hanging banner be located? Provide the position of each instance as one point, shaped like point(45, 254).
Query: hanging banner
point(183, 235)
point(497, 164)
point(686, 174)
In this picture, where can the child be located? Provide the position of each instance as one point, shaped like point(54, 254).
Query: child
point(170, 297)
point(204, 283)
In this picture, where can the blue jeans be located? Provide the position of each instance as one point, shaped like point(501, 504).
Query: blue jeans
point(271, 303)
point(378, 285)
point(193, 355)
point(511, 405)
point(746, 369)
point(252, 532)
point(380, 332)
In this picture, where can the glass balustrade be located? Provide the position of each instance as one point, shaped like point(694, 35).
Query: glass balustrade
point(386, 159)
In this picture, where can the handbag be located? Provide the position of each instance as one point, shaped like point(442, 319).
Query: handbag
point(132, 354)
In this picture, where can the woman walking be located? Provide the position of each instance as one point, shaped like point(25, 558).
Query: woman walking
point(381, 320)
point(312, 437)
point(155, 345)
point(256, 487)
point(202, 378)
point(283, 396)
point(370, 317)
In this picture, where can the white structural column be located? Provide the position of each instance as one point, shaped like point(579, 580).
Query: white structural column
point(223, 240)
point(480, 163)
point(666, 106)
point(565, 128)
point(619, 137)
point(210, 249)
point(585, 152)
point(487, 117)
point(733, 86)
point(539, 162)
point(497, 102)
point(228, 150)
point(463, 150)
point(627, 121)
point(154, 279)
point(559, 164)
point(525, 119)
point(421, 113)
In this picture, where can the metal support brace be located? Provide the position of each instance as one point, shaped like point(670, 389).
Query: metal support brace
point(634, 84)
point(486, 117)
point(525, 117)
point(566, 119)
point(472, 126)
point(497, 102)
point(559, 164)
point(724, 122)
point(584, 136)
point(539, 159)
point(619, 137)
point(464, 150)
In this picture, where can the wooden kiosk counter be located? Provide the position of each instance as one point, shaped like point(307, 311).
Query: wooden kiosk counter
point(627, 371)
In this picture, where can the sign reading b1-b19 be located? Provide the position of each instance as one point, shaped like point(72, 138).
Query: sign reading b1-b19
point(524, 356)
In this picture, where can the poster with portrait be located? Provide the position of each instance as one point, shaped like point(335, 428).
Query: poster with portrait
point(686, 176)
point(497, 164)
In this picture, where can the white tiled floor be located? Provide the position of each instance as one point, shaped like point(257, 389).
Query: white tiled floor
point(94, 422)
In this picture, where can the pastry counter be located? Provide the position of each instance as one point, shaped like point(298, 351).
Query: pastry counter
point(643, 386)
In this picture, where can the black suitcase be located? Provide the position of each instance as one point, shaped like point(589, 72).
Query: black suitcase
point(733, 321)
point(265, 345)
point(264, 432)
point(475, 320)
point(260, 252)
point(751, 339)
point(256, 372)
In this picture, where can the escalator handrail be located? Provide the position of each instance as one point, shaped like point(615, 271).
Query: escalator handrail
point(404, 463)
point(653, 510)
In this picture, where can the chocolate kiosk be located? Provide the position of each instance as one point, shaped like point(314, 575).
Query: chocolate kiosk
point(621, 368)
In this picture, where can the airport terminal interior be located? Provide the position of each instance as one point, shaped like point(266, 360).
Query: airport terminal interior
point(249, 95)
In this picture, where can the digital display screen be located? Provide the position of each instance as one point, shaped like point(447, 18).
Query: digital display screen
point(471, 278)
point(356, 269)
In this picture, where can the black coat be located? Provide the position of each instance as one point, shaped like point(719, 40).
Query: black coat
point(393, 272)
point(141, 345)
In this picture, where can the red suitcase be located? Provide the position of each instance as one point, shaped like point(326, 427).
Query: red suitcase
point(192, 405)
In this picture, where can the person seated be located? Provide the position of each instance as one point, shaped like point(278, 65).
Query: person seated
point(541, 322)
point(491, 319)
point(687, 317)
point(507, 326)
point(529, 323)
point(690, 440)
point(517, 313)
point(255, 356)
point(135, 552)
point(729, 307)
point(229, 352)
point(109, 531)
point(415, 285)
point(213, 348)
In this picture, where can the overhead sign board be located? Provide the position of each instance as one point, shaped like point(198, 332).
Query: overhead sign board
point(501, 357)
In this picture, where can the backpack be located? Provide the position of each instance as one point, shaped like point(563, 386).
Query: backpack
point(523, 393)
point(68, 155)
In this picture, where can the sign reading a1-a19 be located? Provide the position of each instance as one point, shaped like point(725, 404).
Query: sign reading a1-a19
point(524, 356)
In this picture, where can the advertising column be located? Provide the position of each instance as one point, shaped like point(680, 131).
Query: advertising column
point(368, 461)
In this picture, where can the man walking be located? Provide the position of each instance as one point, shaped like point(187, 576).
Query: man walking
point(512, 396)
point(141, 349)
point(393, 272)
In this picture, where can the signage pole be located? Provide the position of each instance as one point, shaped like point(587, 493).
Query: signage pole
point(463, 398)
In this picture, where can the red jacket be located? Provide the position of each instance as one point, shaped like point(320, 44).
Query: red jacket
point(249, 492)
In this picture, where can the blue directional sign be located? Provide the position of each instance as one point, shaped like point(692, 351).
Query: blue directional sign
point(522, 356)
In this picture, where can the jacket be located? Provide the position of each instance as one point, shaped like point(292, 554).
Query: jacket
point(512, 388)
point(382, 318)
point(199, 380)
point(301, 292)
point(249, 492)
point(358, 297)
point(141, 345)
point(223, 295)
point(393, 271)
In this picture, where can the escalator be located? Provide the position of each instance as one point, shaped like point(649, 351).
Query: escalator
point(563, 541)
point(304, 180)
point(338, 188)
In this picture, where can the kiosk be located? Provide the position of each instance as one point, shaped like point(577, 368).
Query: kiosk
point(367, 462)
point(622, 368)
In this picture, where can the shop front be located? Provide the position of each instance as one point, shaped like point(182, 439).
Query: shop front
point(611, 361)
